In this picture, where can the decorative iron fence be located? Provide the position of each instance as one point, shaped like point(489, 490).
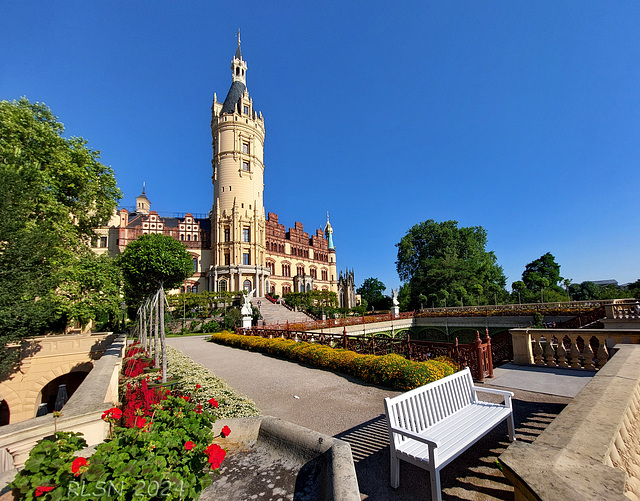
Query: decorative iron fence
point(477, 355)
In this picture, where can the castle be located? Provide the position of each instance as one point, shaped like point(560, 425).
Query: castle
point(238, 246)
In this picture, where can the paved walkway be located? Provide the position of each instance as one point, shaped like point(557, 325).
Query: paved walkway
point(341, 406)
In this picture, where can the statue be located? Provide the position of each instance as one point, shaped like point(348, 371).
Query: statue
point(394, 297)
point(247, 311)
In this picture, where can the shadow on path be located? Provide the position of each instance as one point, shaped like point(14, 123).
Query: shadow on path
point(474, 475)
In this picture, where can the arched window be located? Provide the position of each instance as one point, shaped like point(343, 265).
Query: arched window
point(181, 237)
point(189, 238)
point(222, 286)
point(246, 285)
point(195, 264)
point(194, 288)
point(188, 288)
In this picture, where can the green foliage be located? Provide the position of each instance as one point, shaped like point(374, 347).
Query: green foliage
point(372, 290)
point(541, 273)
point(312, 298)
point(49, 465)
point(53, 192)
point(393, 371)
point(153, 261)
point(442, 259)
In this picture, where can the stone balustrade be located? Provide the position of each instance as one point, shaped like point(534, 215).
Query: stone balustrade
point(82, 413)
point(591, 451)
point(571, 348)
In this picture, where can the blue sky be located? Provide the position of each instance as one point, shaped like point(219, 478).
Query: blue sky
point(521, 117)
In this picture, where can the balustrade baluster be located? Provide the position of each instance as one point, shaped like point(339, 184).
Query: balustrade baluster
point(575, 353)
point(587, 356)
point(603, 354)
point(537, 350)
point(562, 354)
point(550, 353)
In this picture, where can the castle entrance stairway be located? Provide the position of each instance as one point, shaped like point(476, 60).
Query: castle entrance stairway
point(274, 314)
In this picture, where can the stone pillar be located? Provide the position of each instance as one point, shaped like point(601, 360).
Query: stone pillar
point(395, 311)
point(522, 351)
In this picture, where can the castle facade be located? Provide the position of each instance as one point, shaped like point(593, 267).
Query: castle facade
point(238, 246)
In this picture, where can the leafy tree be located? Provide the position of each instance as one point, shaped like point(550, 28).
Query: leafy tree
point(372, 290)
point(149, 264)
point(53, 192)
point(152, 262)
point(439, 258)
point(542, 269)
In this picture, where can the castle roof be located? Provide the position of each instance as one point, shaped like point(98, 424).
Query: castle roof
point(233, 96)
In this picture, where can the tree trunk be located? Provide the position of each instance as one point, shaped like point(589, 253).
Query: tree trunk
point(164, 344)
point(155, 332)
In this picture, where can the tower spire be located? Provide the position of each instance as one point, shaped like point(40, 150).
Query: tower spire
point(238, 51)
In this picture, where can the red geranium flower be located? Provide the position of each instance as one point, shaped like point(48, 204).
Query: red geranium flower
point(225, 432)
point(198, 387)
point(77, 464)
point(188, 445)
point(40, 490)
point(216, 455)
point(113, 413)
point(213, 402)
point(140, 422)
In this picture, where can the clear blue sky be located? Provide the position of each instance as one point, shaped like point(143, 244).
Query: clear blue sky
point(521, 117)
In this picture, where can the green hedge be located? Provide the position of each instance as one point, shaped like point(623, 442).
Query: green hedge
point(393, 371)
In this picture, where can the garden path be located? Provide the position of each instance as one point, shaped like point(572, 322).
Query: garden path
point(341, 406)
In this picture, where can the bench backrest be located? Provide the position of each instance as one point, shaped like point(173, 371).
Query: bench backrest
point(421, 408)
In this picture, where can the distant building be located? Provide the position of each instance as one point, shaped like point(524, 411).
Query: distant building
point(237, 247)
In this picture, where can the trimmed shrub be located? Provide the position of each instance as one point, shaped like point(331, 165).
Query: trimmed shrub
point(393, 371)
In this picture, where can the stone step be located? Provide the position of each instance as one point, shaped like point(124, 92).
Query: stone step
point(277, 314)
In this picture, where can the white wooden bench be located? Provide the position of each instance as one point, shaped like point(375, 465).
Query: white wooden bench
point(432, 425)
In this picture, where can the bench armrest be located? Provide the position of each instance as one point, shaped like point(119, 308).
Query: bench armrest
point(506, 394)
point(413, 435)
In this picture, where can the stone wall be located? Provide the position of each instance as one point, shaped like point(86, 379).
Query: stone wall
point(591, 451)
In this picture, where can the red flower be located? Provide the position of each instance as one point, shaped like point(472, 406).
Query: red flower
point(140, 422)
point(185, 397)
point(113, 413)
point(42, 489)
point(188, 445)
point(213, 402)
point(216, 455)
point(225, 432)
point(198, 387)
point(77, 464)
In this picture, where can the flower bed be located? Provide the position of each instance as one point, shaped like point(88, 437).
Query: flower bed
point(194, 376)
point(160, 445)
point(393, 371)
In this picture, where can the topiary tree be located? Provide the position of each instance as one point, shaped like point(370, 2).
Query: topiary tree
point(149, 265)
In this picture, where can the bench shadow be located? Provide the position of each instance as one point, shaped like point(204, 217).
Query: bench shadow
point(474, 475)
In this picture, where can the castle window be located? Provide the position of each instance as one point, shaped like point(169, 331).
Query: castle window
point(246, 110)
point(245, 166)
point(222, 285)
point(300, 270)
point(195, 264)
point(245, 235)
point(195, 238)
point(227, 260)
point(181, 237)
point(324, 274)
point(194, 289)
point(189, 238)
point(247, 285)
point(314, 273)
point(245, 148)
point(246, 258)
point(286, 270)
point(227, 234)
point(103, 241)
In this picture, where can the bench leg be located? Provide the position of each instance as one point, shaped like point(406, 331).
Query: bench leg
point(436, 491)
point(512, 428)
point(395, 472)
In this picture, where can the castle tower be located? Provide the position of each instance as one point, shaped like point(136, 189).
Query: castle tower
point(143, 205)
point(238, 215)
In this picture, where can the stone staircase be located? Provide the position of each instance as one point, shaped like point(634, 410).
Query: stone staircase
point(277, 314)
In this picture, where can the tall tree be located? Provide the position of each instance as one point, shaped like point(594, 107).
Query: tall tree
point(372, 291)
point(540, 270)
point(438, 258)
point(53, 192)
point(149, 265)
